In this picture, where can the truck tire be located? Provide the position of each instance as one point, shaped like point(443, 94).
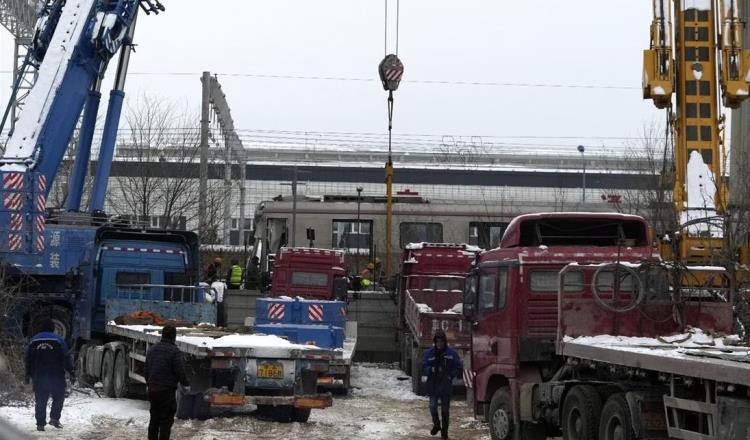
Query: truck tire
point(108, 373)
point(580, 413)
point(121, 378)
point(60, 316)
point(300, 415)
point(82, 377)
point(616, 423)
point(501, 415)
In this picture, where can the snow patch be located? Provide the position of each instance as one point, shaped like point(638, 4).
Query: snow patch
point(381, 380)
point(701, 5)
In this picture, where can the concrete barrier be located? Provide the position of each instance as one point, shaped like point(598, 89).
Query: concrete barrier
point(375, 314)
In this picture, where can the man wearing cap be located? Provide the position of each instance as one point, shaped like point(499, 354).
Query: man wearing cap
point(47, 360)
point(165, 368)
point(441, 365)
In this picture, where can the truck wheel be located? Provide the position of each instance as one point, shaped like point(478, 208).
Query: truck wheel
point(581, 412)
point(300, 415)
point(615, 423)
point(121, 378)
point(60, 317)
point(82, 377)
point(108, 373)
point(501, 415)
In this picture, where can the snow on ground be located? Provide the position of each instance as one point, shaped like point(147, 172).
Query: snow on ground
point(372, 380)
point(381, 406)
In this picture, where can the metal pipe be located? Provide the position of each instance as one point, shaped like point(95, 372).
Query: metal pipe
point(109, 137)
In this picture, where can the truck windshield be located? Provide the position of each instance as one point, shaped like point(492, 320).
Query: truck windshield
point(309, 279)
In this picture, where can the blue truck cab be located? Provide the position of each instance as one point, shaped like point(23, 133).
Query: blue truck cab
point(87, 275)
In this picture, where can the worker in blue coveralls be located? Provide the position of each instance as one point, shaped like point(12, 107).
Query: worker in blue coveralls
point(47, 360)
point(441, 365)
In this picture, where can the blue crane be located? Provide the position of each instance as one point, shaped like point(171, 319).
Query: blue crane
point(72, 263)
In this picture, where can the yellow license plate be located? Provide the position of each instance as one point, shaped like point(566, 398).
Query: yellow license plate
point(271, 370)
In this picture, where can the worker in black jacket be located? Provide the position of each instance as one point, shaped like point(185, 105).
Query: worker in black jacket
point(47, 360)
point(165, 368)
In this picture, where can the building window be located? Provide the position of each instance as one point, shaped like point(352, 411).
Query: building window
point(420, 232)
point(234, 231)
point(352, 238)
point(486, 235)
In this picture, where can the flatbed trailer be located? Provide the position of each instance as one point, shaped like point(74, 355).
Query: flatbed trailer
point(228, 373)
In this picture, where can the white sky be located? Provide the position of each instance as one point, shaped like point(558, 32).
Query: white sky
point(585, 43)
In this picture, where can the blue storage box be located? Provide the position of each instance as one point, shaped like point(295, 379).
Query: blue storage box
point(324, 336)
point(300, 311)
point(275, 310)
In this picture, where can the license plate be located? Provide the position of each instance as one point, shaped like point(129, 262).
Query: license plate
point(271, 370)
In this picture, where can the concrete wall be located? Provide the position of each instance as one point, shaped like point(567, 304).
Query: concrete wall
point(375, 314)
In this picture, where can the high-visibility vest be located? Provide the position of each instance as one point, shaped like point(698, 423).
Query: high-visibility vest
point(236, 276)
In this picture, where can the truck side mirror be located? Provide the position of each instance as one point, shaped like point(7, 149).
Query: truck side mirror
point(340, 287)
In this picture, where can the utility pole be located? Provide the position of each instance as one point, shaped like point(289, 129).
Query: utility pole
point(203, 185)
point(215, 101)
point(295, 181)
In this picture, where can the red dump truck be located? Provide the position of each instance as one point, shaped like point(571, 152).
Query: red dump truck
point(430, 296)
point(309, 304)
point(578, 332)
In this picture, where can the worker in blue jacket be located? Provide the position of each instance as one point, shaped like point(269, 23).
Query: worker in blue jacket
point(441, 365)
point(47, 360)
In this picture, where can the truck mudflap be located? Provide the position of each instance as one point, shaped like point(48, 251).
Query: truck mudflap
point(305, 401)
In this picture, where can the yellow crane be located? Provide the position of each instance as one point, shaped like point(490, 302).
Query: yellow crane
point(698, 61)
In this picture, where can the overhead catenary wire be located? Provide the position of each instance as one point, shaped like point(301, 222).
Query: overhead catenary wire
point(411, 81)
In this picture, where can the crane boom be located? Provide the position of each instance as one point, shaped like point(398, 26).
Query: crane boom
point(74, 42)
point(709, 63)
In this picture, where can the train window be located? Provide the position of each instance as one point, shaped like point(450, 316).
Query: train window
point(354, 238)
point(486, 235)
point(309, 279)
point(420, 232)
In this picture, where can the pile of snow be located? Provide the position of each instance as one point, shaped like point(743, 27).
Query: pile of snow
point(457, 309)
point(424, 308)
point(381, 380)
point(196, 337)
